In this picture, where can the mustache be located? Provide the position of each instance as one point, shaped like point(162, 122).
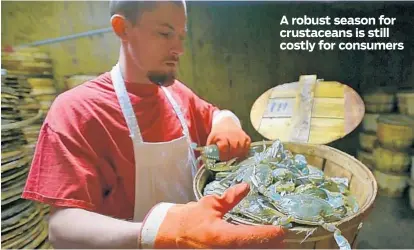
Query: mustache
point(173, 59)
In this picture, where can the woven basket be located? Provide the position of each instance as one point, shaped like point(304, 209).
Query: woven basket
point(334, 163)
point(395, 131)
point(406, 102)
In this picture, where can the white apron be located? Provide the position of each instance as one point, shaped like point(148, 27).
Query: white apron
point(164, 171)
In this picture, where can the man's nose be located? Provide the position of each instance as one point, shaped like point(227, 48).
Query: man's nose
point(178, 47)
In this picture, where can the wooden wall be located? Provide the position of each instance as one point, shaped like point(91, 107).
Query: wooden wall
point(232, 51)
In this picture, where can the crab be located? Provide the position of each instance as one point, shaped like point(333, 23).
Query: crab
point(221, 166)
point(339, 200)
point(214, 187)
point(256, 208)
point(311, 189)
point(282, 174)
point(210, 156)
point(284, 189)
point(306, 209)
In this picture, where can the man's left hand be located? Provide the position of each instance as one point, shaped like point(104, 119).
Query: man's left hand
point(230, 138)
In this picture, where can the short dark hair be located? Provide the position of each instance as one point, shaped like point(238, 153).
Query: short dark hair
point(132, 10)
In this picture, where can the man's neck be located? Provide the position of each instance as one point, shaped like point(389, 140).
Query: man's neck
point(130, 72)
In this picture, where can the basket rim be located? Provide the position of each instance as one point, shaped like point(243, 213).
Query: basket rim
point(396, 119)
point(362, 210)
point(406, 93)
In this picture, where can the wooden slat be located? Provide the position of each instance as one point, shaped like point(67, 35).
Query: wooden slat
point(302, 113)
point(304, 245)
point(315, 161)
point(361, 190)
point(326, 244)
point(328, 108)
point(334, 170)
point(323, 130)
point(329, 89)
point(268, 126)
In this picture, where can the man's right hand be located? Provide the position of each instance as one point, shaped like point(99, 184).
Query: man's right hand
point(200, 225)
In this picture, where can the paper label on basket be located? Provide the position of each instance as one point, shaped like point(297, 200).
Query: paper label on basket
point(279, 108)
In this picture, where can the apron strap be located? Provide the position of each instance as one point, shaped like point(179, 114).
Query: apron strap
point(177, 111)
point(131, 120)
point(125, 104)
point(183, 125)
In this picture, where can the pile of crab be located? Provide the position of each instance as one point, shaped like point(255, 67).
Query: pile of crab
point(284, 190)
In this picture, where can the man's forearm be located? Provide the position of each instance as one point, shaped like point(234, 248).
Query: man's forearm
point(224, 114)
point(77, 228)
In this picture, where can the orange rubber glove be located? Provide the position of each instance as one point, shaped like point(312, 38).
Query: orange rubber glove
point(230, 138)
point(200, 225)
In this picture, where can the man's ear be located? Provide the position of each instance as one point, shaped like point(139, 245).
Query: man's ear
point(119, 26)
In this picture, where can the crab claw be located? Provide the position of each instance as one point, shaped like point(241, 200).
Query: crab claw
point(341, 241)
point(222, 166)
point(339, 238)
point(284, 221)
point(259, 187)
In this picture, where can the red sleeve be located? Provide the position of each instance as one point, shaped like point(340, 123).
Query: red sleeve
point(64, 170)
point(203, 117)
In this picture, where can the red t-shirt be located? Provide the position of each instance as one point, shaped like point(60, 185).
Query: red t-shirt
point(84, 155)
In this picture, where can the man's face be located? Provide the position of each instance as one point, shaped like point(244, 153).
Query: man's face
point(156, 42)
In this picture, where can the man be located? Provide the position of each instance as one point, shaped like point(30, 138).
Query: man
point(113, 157)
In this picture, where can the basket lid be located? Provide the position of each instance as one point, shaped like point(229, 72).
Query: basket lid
point(396, 119)
point(309, 111)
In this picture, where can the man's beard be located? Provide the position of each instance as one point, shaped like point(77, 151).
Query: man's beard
point(162, 78)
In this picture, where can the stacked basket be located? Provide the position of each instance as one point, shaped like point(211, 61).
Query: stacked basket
point(386, 140)
point(26, 105)
point(35, 66)
point(29, 72)
point(22, 221)
point(406, 106)
point(411, 181)
point(376, 103)
point(392, 153)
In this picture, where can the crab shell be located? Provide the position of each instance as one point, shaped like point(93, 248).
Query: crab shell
point(300, 203)
point(255, 208)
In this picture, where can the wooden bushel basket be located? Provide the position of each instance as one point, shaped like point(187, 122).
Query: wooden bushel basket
point(334, 163)
point(303, 115)
point(406, 102)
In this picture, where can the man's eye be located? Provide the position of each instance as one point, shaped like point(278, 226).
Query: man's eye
point(164, 34)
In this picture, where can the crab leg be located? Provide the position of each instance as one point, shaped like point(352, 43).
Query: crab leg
point(339, 238)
